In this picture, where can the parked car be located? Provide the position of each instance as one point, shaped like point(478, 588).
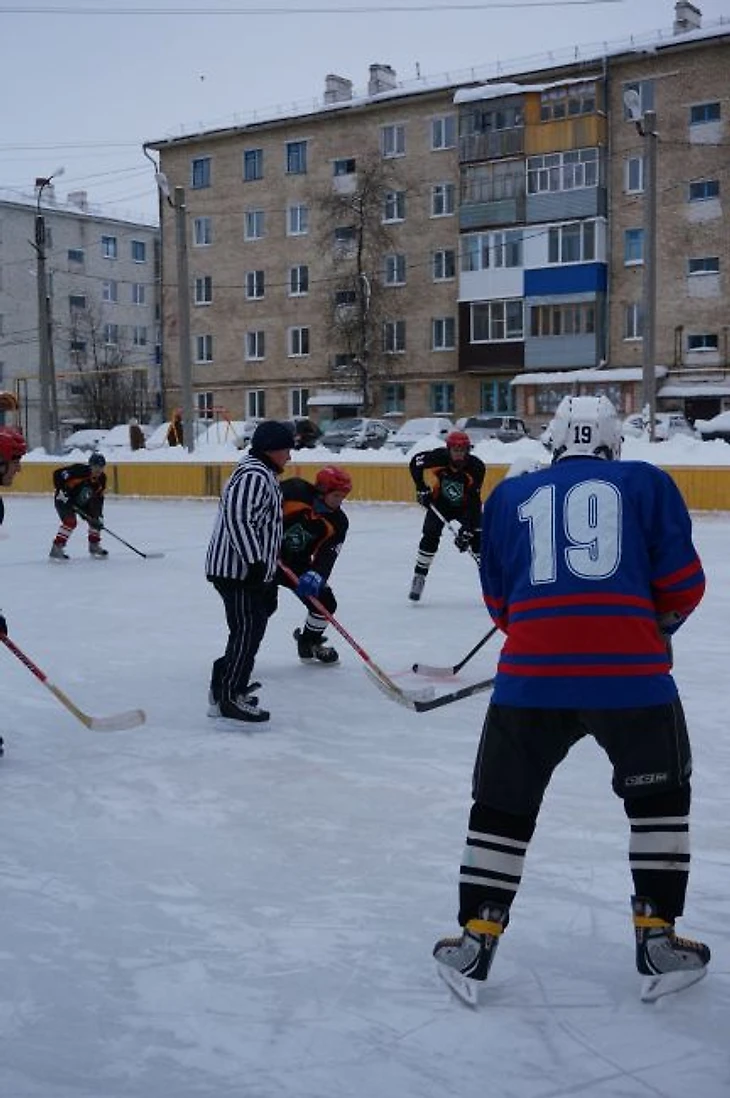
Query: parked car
point(413, 430)
point(356, 433)
point(717, 427)
point(666, 425)
point(504, 428)
point(87, 439)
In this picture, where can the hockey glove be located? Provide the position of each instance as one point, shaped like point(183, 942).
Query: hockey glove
point(310, 584)
point(3, 625)
point(462, 541)
point(670, 623)
point(424, 497)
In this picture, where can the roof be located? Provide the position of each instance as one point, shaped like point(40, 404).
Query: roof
point(586, 377)
point(326, 398)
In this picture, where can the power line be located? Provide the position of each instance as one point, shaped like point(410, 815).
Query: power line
point(364, 9)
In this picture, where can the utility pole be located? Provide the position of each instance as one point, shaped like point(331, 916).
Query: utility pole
point(183, 320)
point(46, 367)
point(648, 373)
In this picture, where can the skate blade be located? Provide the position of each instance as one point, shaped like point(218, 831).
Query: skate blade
point(468, 991)
point(654, 987)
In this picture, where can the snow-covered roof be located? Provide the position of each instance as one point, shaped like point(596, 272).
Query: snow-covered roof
point(567, 377)
point(499, 91)
point(325, 398)
point(696, 389)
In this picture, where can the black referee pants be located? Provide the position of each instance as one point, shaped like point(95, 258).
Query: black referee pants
point(247, 613)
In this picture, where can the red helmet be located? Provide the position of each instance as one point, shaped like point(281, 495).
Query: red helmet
point(458, 438)
point(12, 444)
point(333, 479)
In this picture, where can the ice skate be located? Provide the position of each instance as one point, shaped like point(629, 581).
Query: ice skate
point(243, 708)
point(464, 963)
point(58, 553)
point(96, 550)
point(214, 709)
point(417, 585)
point(311, 647)
point(667, 962)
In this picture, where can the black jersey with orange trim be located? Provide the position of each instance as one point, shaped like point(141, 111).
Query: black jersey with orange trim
point(456, 488)
point(76, 480)
point(313, 534)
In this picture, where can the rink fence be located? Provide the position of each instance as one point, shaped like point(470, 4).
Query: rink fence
point(705, 488)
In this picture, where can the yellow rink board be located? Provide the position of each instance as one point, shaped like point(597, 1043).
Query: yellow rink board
point(705, 488)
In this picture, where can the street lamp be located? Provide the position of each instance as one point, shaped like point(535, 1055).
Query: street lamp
point(46, 366)
point(645, 122)
point(177, 201)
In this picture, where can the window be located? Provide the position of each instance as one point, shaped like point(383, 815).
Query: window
point(345, 299)
point(633, 246)
point(707, 264)
point(702, 341)
point(255, 346)
point(253, 224)
point(443, 132)
point(255, 284)
point(507, 248)
point(256, 403)
point(394, 397)
point(393, 140)
point(496, 321)
point(394, 337)
point(139, 336)
point(76, 255)
point(345, 240)
point(110, 292)
point(298, 401)
point(200, 172)
point(566, 171)
point(205, 405)
point(633, 321)
point(496, 396)
point(343, 361)
point(475, 252)
point(634, 174)
point(344, 166)
point(443, 333)
point(442, 199)
point(568, 101)
point(253, 165)
point(78, 349)
point(444, 265)
point(296, 157)
point(394, 273)
point(572, 242)
point(702, 189)
point(204, 290)
point(139, 251)
point(76, 301)
point(442, 398)
point(298, 340)
point(204, 348)
point(563, 320)
point(394, 206)
point(109, 247)
point(704, 112)
point(138, 293)
point(111, 334)
point(297, 221)
point(645, 90)
point(202, 231)
point(298, 280)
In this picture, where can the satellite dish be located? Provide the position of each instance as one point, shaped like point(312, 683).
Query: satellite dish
point(632, 102)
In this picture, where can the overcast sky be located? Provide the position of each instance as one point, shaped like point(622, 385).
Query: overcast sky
point(84, 84)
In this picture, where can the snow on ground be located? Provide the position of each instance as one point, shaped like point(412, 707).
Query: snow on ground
point(190, 912)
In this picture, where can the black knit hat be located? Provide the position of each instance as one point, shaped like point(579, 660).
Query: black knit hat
point(272, 435)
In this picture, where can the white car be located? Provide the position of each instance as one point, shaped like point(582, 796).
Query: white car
point(87, 439)
point(413, 430)
point(666, 425)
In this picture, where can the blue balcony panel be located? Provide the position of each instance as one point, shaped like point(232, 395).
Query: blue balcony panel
point(572, 278)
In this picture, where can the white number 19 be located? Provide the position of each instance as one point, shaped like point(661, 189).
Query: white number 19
point(592, 526)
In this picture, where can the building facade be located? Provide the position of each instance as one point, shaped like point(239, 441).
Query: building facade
point(102, 298)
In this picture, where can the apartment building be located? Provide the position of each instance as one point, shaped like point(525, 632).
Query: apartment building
point(102, 277)
point(512, 272)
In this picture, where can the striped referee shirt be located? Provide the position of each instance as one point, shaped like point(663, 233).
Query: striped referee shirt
point(248, 526)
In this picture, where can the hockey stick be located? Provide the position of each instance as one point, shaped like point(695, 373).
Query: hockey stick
point(119, 722)
point(379, 677)
point(105, 528)
point(452, 528)
point(425, 705)
point(427, 669)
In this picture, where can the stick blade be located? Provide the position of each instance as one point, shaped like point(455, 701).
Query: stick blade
point(410, 699)
point(153, 556)
point(117, 722)
point(436, 672)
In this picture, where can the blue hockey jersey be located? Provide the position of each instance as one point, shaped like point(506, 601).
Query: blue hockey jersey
point(578, 562)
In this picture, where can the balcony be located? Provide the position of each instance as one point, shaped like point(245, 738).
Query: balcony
point(491, 145)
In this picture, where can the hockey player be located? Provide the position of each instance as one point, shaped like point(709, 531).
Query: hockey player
point(450, 478)
point(587, 567)
point(12, 450)
point(80, 494)
point(315, 528)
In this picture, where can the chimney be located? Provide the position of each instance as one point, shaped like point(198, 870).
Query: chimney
point(337, 89)
point(382, 78)
point(686, 17)
point(78, 198)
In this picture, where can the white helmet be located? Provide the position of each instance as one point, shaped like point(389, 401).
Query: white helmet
point(586, 425)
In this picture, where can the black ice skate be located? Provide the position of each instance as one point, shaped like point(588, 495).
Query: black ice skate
point(419, 582)
point(96, 550)
point(243, 708)
point(464, 963)
point(311, 647)
point(58, 553)
point(214, 708)
point(667, 962)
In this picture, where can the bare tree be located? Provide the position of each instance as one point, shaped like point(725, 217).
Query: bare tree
point(106, 387)
point(356, 242)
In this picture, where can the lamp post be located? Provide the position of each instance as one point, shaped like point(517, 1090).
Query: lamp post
point(177, 201)
point(646, 127)
point(46, 367)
